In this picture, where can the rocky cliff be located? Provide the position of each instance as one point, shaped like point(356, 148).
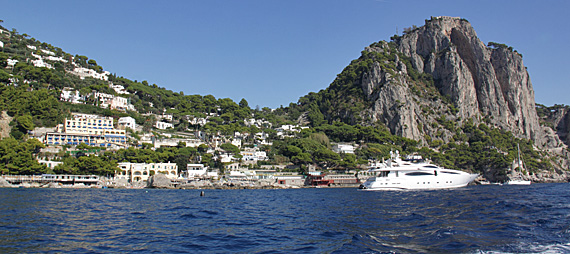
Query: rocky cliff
point(426, 84)
point(482, 82)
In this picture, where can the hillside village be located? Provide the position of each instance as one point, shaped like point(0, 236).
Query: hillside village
point(245, 156)
point(85, 120)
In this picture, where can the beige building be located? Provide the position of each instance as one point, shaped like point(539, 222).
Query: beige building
point(134, 172)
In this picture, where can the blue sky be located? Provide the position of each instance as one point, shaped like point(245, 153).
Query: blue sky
point(271, 52)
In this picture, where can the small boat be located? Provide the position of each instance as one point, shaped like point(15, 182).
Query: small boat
point(518, 182)
point(517, 178)
point(414, 173)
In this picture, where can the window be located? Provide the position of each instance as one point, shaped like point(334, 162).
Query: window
point(419, 174)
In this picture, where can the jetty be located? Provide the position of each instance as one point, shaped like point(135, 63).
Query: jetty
point(49, 178)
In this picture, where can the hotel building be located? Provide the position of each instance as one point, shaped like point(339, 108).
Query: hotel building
point(92, 130)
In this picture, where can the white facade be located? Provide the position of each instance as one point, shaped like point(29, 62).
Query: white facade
point(85, 72)
point(253, 156)
point(242, 174)
point(118, 88)
point(69, 95)
point(225, 158)
point(236, 142)
point(11, 62)
point(174, 142)
point(142, 171)
point(166, 117)
point(40, 63)
point(127, 122)
point(104, 98)
point(53, 58)
point(163, 125)
point(343, 148)
point(195, 170)
point(119, 103)
point(47, 52)
point(50, 164)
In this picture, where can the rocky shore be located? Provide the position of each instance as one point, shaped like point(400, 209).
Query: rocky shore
point(160, 181)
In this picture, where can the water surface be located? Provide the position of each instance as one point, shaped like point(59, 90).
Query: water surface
point(514, 219)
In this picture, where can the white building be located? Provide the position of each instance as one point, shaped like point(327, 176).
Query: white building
point(47, 52)
point(195, 170)
point(11, 62)
point(127, 122)
point(253, 156)
point(118, 88)
point(113, 102)
point(236, 142)
point(119, 103)
point(85, 72)
point(142, 171)
point(226, 158)
point(53, 58)
point(40, 63)
point(166, 117)
point(163, 125)
point(242, 175)
point(104, 98)
point(343, 148)
point(70, 95)
point(172, 142)
point(50, 164)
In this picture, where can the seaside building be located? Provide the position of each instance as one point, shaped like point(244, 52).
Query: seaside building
point(134, 172)
point(253, 155)
point(194, 170)
point(92, 130)
point(290, 180)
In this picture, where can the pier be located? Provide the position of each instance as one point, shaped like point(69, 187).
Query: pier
point(47, 178)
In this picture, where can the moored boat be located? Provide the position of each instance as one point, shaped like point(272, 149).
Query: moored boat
point(415, 173)
point(517, 177)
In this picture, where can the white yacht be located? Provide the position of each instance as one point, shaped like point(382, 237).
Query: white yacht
point(414, 173)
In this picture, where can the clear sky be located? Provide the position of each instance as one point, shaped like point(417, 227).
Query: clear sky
point(271, 52)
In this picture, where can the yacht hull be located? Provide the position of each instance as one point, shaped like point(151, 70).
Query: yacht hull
point(418, 183)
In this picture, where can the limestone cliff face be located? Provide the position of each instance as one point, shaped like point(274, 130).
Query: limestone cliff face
point(558, 117)
point(483, 83)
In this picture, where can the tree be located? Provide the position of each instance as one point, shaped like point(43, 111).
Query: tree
point(92, 63)
point(229, 148)
point(243, 103)
point(302, 159)
point(22, 125)
point(17, 157)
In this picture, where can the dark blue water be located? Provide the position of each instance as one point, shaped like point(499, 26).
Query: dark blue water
point(515, 219)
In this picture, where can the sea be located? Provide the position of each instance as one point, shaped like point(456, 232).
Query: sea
point(474, 219)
